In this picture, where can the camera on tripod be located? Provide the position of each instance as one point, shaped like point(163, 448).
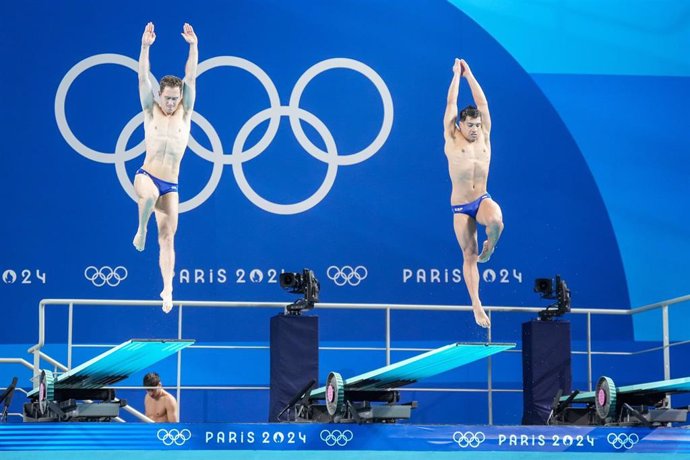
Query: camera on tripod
point(301, 283)
point(550, 289)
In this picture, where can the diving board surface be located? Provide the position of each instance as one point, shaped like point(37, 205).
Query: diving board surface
point(661, 386)
point(420, 367)
point(118, 363)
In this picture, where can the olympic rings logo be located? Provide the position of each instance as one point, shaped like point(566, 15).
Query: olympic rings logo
point(341, 438)
point(347, 275)
point(623, 440)
point(99, 277)
point(469, 439)
point(174, 436)
point(239, 154)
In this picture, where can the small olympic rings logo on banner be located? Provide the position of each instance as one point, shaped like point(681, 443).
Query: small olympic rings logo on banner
point(99, 277)
point(623, 440)
point(174, 436)
point(347, 274)
point(341, 438)
point(469, 439)
point(239, 155)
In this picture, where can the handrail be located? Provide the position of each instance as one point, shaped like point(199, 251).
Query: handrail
point(21, 361)
point(367, 306)
point(136, 413)
point(656, 305)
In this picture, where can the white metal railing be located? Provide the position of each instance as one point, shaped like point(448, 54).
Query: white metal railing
point(21, 361)
point(38, 354)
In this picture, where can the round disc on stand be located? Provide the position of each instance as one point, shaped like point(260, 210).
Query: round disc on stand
point(605, 398)
point(335, 394)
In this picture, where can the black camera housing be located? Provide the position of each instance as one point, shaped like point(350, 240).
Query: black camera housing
point(553, 289)
point(544, 286)
point(301, 283)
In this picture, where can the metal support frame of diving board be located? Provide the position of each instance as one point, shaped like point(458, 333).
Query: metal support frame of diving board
point(55, 397)
point(639, 404)
point(351, 400)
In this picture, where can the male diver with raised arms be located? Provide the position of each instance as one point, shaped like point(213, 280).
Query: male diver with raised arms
point(167, 123)
point(468, 149)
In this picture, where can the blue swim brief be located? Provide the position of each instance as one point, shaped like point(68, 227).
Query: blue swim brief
point(470, 208)
point(163, 186)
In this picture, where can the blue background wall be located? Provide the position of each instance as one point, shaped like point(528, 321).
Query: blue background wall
point(588, 102)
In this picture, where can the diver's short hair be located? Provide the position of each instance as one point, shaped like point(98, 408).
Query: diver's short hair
point(469, 112)
point(170, 80)
point(152, 379)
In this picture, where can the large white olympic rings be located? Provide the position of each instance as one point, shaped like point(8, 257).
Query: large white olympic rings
point(239, 155)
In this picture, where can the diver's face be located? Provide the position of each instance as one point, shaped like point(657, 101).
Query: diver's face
point(155, 393)
point(470, 128)
point(170, 99)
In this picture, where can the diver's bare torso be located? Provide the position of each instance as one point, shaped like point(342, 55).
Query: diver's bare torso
point(166, 141)
point(468, 166)
point(157, 409)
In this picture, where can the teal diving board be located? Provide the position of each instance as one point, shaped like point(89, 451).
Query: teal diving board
point(419, 367)
point(118, 363)
point(661, 386)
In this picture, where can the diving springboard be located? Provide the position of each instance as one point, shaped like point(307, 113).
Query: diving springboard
point(419, 367)
point(118, 363)
point(661, 386)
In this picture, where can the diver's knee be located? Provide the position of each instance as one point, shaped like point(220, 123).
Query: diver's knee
point(166, 236)
point(494, 224)
point(469, 254)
